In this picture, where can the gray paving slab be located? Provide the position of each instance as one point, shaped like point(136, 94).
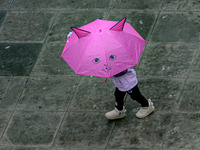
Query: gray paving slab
point(81, 148)
point(4, 82)
point(146, 133)
point(181, 5)
point(196, 66)
point(137, 4)
point(141, 21)
point(183, 132)
point(64, 22)
point(93, 95)
point(167, 59)
point(21, 148)
point(190, 97)
point(49, 61)
point(4, 118)
point(2, 16)
point(48, 93)
point(164, 93)
point(177, 27)
point(18, 59)
point(87, 132)
point(4, 4)
point(23, 26)
point(59, 4)
point(32, 128)
point(12, 92)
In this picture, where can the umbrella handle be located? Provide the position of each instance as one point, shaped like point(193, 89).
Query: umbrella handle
point(106, 79)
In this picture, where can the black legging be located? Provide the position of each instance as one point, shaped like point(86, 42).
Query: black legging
point(135, 95)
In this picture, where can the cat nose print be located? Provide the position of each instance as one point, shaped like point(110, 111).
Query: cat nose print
point(106, 67)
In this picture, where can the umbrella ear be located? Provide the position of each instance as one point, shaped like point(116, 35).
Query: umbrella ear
point(80, 33)
point(119, 26)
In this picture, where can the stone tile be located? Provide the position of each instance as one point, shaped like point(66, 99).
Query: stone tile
point(142, 22)
point(22, 148)
point(195, 71)
point(18, 59)
point(83, 148)
point(4, 81)
point(160, 59)
point(32, 128)
point(2, 15)
point(4, 4)
point(184, 132)
point(94, 94)
point(177, 27)
point(65, 21)
point(132, 148)
point(48, 93)
point(84, 130)
point(135, 133)
point(181, 5)
point(190, 97)
point(137, 4)
point(164, 93)
point(4, 118)
point(13, 92)
point(59, 4)
point(50, 63)
point(21, 26)
point(175, 149)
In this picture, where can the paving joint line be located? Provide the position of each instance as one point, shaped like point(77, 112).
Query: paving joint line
point(175, 112)
point(109, 137)
point(11, 78)
point(21, 42)
point(33, 11)
point(124, 10)
point(186, 80)
point(12, 111)
point(5, 17)
point(153, 27)
point(193, 60)
point(50, 28)
point(23, 146)
point(109, 9)
point(149, 36)
point(64, 116)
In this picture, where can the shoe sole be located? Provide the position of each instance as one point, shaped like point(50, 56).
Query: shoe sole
point(115, 118)
point(147, 114)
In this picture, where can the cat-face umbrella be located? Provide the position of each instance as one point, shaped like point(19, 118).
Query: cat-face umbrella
point(103, 48)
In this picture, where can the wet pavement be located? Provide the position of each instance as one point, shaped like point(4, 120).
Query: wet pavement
point(45, 106)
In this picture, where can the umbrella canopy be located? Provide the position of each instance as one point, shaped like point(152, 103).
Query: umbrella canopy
point(103, 48)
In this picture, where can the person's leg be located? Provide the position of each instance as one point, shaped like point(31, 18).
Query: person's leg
point(119, 111)
point(136, 95)
point(147, 106)
point(119, 99)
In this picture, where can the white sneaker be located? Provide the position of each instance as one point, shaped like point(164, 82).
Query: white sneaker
point(145, 111)
point(115, 114)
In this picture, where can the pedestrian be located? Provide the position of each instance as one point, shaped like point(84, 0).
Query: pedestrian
point(126, 82)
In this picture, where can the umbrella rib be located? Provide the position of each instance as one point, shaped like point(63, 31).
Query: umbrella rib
point(83, 55)
point(103, 49)
point(123, 47)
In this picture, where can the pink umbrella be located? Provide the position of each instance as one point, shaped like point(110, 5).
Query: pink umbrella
point(103, 48)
